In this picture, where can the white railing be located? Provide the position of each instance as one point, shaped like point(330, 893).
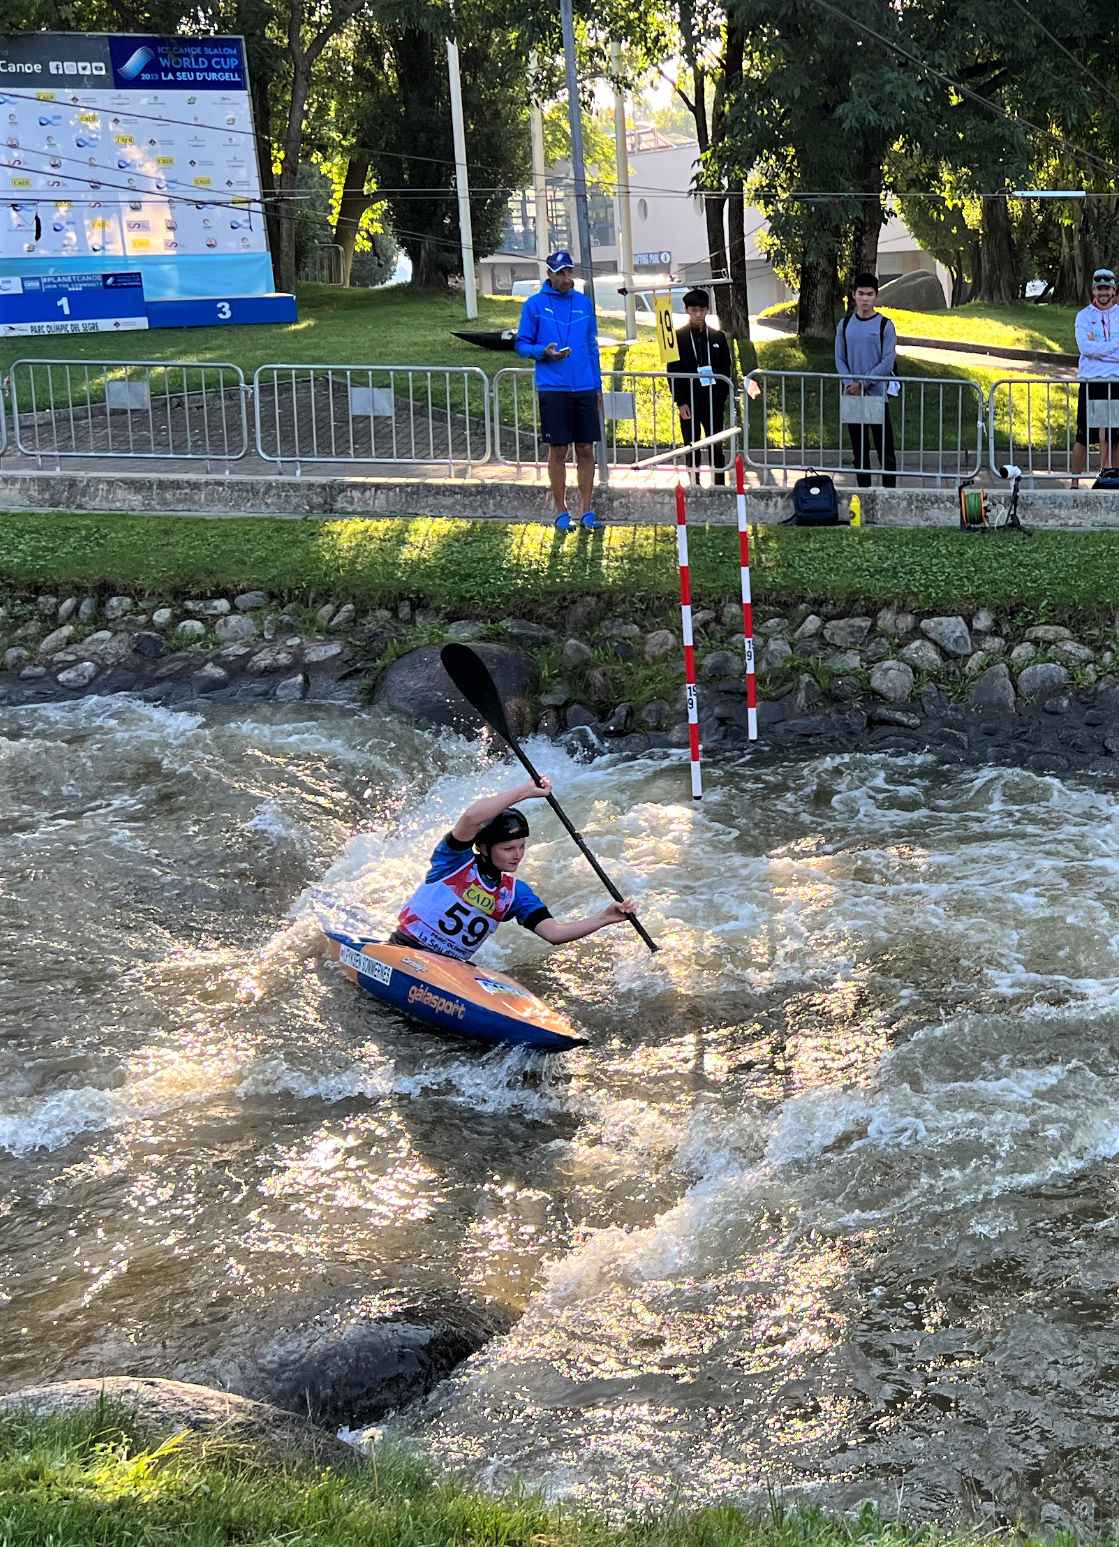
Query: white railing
point(1035, 422)
point(931, 429)
point(372, 413)
point(135, 409)
point(642, 418)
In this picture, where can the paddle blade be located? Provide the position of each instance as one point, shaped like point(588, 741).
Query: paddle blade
point(468, 673)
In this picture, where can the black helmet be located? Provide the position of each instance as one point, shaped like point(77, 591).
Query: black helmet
point(506, 827)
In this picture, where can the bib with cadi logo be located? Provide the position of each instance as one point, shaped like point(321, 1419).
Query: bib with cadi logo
point(455, 914)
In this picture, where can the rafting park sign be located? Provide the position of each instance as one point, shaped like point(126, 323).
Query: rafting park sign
point(134, 154)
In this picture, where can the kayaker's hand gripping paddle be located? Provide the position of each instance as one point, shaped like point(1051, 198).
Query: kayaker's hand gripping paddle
point(468, 673)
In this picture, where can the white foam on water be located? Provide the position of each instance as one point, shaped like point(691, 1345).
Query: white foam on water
point(272, 1076)
point(54, 1121)
point(505, 1080)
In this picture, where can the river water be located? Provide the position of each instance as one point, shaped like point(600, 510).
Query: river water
point(828, 1205)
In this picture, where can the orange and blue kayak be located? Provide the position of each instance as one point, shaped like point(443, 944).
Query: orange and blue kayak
point(452, 995)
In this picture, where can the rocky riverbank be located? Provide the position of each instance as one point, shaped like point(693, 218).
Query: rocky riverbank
point(968, 686)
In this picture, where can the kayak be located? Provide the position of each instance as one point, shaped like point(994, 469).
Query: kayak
point(452, 995)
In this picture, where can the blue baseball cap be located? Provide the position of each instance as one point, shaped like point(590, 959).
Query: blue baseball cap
point(559, 260)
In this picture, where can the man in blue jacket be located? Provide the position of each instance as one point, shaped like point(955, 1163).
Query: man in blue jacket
point(559, 331)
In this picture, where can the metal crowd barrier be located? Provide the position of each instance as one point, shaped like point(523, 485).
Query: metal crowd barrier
point(642, 421)
point(109, 408)
point(1034, 422)
point(374, 413)
point(800, 419)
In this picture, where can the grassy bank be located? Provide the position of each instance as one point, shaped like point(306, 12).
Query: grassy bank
point(91, 1480)
point(335, 327)
point(400, 326)
point(467, 568)
point(1021, 326)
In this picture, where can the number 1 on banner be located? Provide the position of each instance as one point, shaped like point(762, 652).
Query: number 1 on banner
point(666, 333)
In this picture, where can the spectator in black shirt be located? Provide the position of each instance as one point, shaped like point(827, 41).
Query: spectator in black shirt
point(700, 399)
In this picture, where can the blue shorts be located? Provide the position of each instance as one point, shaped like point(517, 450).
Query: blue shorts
point(568, 418)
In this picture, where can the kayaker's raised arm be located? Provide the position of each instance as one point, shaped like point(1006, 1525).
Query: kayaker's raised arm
point(475, 817)
point(555, 933)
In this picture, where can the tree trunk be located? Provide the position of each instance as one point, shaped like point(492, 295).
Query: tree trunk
point(1000, 280)
point(351, 209)
point(976, 283)
point(427, 271)
point(303, 61)
point(961, 286)
point(816, 306)
point(262, 123)
point(737, 292)
point(864, 247)
point(289, 165)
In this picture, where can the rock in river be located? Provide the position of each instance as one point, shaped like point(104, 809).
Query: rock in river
point(417, 686)
point(335, 1370)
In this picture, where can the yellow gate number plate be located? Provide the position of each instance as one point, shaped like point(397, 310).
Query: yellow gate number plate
point(666, 333)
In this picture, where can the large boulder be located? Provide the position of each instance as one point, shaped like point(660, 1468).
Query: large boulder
point(337, 1371)
point(417, 686)
point(167, 1407)
point(920, 291)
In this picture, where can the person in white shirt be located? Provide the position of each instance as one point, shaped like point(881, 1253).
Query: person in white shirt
point(1097, 337)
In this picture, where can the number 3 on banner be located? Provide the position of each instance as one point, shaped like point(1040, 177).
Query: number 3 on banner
point(225, 311)
point(666, 333)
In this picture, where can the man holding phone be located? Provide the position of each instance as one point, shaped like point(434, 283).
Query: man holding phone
point(558, 331)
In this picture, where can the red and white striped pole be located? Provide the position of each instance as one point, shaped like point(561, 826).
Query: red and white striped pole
point(747, 601)
point(689, 646)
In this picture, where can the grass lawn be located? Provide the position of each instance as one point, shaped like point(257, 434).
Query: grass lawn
point(1021, 326)
point(335, 327)
point(399, 326)
point(488, 568)
point(88, 1481)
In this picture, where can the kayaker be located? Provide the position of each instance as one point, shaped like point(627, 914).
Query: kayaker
point(471, 886)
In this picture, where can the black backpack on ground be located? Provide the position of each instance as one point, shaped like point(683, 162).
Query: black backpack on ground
point(814, 501)
point(1108, 480)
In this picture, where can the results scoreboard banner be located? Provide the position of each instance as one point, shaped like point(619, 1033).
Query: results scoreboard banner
point(121, 148)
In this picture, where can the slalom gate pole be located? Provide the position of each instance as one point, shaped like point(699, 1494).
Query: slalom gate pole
point(747, 600)
point(689, 646)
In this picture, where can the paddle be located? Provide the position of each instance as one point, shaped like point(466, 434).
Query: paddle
point(468, 673)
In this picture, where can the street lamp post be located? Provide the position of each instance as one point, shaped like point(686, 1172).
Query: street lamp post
point(466, 233)
point(625, 224)
point(578, 165)
point(579, 170)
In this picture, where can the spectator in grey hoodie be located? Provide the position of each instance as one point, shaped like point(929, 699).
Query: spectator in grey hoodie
point(865, 350)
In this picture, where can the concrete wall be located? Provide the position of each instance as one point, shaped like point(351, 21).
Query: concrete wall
point(323, 498)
